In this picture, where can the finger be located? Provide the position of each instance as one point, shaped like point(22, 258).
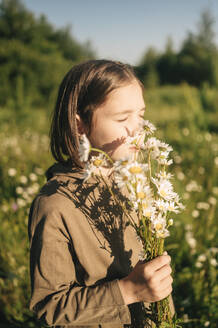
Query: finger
point(158, 262)
point(163, 272)
point(166, 282)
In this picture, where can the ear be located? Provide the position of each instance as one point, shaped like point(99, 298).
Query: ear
point(80, 125)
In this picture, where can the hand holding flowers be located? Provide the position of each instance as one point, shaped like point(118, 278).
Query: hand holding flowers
point(144, 175)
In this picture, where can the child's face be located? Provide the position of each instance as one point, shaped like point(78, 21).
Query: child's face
point(120, 116)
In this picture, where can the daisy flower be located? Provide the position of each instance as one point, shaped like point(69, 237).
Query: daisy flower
point(84, 148)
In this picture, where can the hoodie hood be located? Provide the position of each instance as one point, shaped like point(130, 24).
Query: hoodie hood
point(58, 169)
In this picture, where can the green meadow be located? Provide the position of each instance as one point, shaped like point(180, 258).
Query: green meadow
point(187, 119)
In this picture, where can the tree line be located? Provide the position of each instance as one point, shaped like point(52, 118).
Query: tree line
point(195, 63)
point(34, 56)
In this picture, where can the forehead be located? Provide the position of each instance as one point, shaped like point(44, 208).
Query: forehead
point(128, 97)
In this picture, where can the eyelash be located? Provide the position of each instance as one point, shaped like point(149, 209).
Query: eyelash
point(141, 116)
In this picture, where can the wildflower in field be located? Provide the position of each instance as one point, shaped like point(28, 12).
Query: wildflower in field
point(35, 186)
point(185, 132)
point(14, 207)
point(213, 262)
point(19, 190)
point(199, 265)
point(84, 148)
point(5, 208)
point(148, 127)
point(12, 172)
point(193, 186)
point(180, 175)
point(207, 323)
point(177, 159)
point(23, 179)
point(21, 202)
point(186, 195)
point(161, 205)
point(162, 158)
point(158, 226)
point(170, 222)
point(203, 206)
point(164, 188)
point(208, 136)
point(212, 200)
point(152, 144)
point(202, 258)
point(164, 175)
point(213, 250)
point(201, 170)
point(88, 170)
point(195, 213)
point(191, 240)
point(39, 170)
point(33, 177)
point(215, 190)
point(136, 140)
point(216, 161)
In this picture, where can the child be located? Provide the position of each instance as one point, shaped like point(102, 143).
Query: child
point(84, 255)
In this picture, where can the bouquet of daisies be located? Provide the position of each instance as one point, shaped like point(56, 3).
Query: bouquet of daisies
point(150, 193)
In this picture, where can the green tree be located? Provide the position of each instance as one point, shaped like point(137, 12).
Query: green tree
point(34, 56)
point(146, 70)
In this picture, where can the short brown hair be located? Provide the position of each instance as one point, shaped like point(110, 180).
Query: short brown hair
point(84, 88)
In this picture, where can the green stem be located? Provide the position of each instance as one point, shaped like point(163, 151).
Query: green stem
point(102, 152)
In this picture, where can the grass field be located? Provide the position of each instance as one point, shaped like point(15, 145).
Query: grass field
point(185, 118)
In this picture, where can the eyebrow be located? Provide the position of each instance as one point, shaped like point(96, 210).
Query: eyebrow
point(127, 111)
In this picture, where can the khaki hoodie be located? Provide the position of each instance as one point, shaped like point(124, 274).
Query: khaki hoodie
point(80, 245)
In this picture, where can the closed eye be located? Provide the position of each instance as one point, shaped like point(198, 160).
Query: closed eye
point(124, 119)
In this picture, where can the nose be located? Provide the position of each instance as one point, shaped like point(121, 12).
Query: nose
point(134, 125)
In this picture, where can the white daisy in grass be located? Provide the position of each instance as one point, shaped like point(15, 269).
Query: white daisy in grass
point(165, 147)
point(161, 205)
point(153, 144)
point(158, 224)
point(140, 191)
point(158, 227)
point(137, 140)
point(172, 207)
point(98, 161)
point(121, 179)
point(148, 127)
point(164, 188)
point(162, 158)
point(137, 169)
point(88, 170)
point(95, 163)
point(148, 210)
point(164, 175)
point(84, 148)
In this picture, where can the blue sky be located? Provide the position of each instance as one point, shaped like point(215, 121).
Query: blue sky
point(124, 29)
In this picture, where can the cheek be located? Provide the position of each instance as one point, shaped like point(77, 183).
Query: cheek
point(107, 132)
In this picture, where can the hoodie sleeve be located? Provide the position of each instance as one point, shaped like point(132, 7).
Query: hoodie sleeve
point(57, 297)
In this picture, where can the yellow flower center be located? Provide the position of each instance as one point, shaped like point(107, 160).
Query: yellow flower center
point(147, 213)
point(140, 195)
point(162, 157)
point(123, 163)
point(159, 226)
point(163, 193)
point(144, 205)
point(161, 235)
point(97, 162)
point(135, 169)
